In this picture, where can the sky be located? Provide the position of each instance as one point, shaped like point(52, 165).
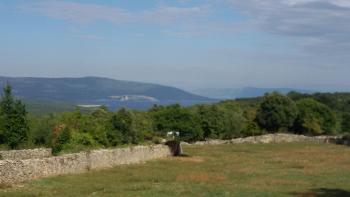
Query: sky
point(188, 44)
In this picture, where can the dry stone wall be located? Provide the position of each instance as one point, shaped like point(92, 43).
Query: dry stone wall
point(25, 154)
point(278, 138)
point(15, 171)
point(111, 157)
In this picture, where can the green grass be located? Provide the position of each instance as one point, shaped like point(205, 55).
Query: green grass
point(224, 170)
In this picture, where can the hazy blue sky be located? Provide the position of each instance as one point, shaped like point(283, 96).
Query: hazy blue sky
point(183, 43)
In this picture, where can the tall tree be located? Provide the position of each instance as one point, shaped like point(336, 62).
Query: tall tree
point(123, 128)
point(346, 123)
point(314, 117)
point(212, 120)
point(276, 112)
point(177, 118)
point(14, 125)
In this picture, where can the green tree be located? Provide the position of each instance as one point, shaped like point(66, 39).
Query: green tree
point(276, 112)
point(212, 120)
point(176, 118)
point(314, 117)
point(251, 127)
point(122, 128)
point(13, 115)
point(63, 138)
point(346, 123)
point(233, 124)
point(144, 125)
point(41, 129)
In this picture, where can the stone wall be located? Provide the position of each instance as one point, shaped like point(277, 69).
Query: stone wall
point(25, 154)
point(111, 157)
point(15, 171)
point(278, 138)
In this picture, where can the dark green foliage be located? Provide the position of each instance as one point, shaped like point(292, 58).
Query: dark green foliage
point(41, 129)
point(346, 122)
point(212, 120)
point(84, 129)
point(13, 115)
point(63, 138)
point(251, 127)
point(314, 118)
point(144, 125)
point(177, 118)
point(224, 120)
point(233, 125)
point(338, 102)
point(122, 129)
point(276, 112)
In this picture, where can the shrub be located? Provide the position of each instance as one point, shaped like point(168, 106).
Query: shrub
point(157, 140)
point(63, 138)
point(114, 137)
point(85, 139)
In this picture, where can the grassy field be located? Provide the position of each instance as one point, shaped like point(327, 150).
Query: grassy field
point(224, 170)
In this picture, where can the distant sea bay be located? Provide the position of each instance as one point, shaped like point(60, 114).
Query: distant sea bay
point(140, 105)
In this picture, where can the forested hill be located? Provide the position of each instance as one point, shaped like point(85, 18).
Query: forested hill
point(338, 101)
point(92, 88)
point(247, 92)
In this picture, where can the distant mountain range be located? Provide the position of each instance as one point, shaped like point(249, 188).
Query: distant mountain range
point(249, 92)
point(62, 94)
point(87, 91)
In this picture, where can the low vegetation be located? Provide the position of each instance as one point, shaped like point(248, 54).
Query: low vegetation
point(78, 130)
point(292, 169)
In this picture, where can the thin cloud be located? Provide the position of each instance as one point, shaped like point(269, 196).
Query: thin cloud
point(316, 25)
point(89, 13)
point(79, 13)
point(319, 23)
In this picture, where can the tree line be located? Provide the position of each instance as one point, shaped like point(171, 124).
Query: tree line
point(79, 130)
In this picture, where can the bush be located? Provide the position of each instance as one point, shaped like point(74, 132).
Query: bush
point(63, 138)
point(114, 137)
point(157, 140)
point(84, 139)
